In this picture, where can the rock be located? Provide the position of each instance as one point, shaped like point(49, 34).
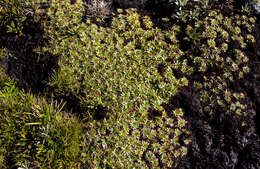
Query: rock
point(255, 5)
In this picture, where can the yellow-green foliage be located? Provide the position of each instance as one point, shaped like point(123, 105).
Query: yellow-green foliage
point(131, 139)
point(116, 66)
point(222, 41)
point(2, 52)
point(12, 14)
point(35, 134)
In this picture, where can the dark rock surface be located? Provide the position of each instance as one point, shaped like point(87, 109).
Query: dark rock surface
point(219, 141)
point(255, 5)
point(28, 68)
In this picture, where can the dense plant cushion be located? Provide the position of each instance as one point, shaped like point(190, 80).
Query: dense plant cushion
point(130, 68)
point(116, 66)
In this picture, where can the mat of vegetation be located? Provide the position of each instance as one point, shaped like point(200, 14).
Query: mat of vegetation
point(140, 91)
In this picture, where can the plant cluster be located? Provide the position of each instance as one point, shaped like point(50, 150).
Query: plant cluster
point(98, 10)
point(219, 44)
point(188, 11)
point(116, 66)
point(34, 133)
point(16, 18)
point(137, 141)
point(121, 68)
point(12, 15)
point(131, 68)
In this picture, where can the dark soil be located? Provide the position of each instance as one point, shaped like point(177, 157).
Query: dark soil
point(29, 69)
point(219, 141)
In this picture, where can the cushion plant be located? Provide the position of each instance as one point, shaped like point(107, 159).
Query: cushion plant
point(128, 67)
